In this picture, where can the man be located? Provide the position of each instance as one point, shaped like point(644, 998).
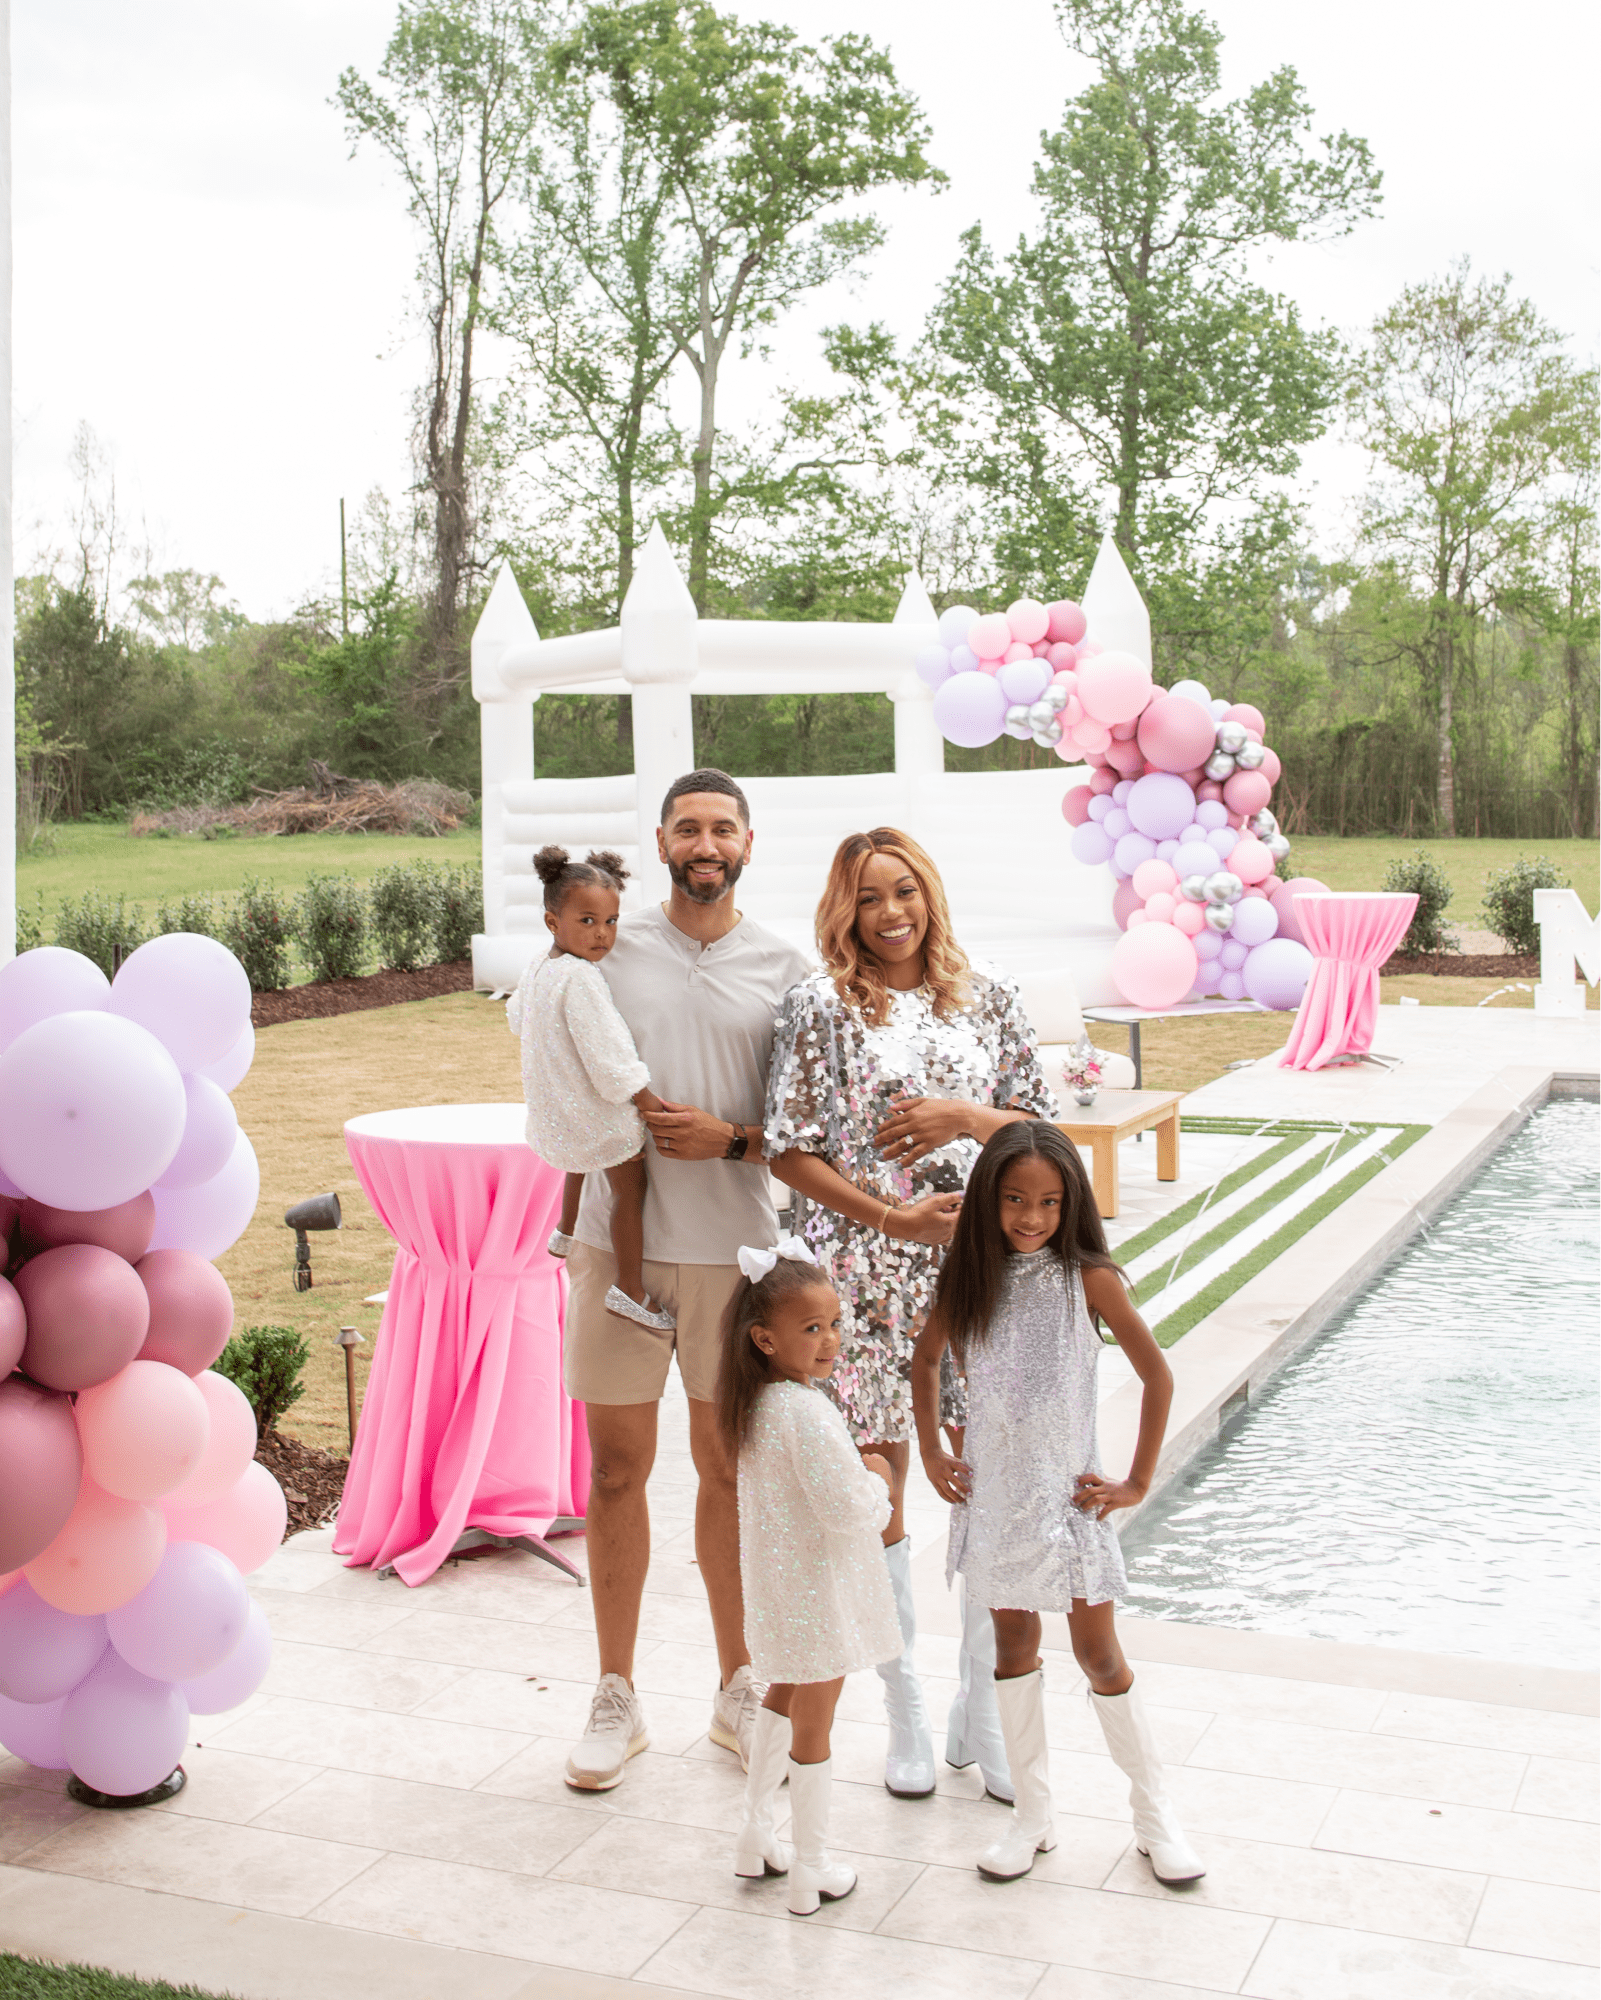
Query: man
point(700, 988)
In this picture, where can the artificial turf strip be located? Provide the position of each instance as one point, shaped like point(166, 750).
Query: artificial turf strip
point(1186, 1212)
point(37, 1979)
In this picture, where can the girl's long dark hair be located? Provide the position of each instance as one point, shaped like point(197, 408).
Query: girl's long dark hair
point(742, 1372)
point(970, 1277)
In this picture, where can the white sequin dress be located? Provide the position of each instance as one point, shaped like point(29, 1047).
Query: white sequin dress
point(1018, 1540)
point(818, 1602)
point(580, 1066)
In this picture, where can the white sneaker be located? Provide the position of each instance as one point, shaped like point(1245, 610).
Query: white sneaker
point(657, 1318)
point(734, 1713)
point(616, 1732)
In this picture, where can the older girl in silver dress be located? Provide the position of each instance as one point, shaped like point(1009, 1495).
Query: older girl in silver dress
point(1027, 1277)
point(891, 1067)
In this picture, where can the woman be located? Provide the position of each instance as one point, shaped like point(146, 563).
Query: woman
point(891, 1067)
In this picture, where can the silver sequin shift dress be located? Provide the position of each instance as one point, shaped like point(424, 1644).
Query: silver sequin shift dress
point(1019, 1541)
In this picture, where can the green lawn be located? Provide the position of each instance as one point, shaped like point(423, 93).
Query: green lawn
point(1360, 864)
point(32, 1979)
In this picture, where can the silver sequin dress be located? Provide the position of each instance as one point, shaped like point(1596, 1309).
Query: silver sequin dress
point(830, 1088)
point(818, 1602)
point(1019, 1541)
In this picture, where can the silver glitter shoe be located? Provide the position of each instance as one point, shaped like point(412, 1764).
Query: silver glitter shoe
point(560, 1243)
point(618, 1301)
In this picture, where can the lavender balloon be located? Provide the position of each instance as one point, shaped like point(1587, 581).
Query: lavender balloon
point(932, 665)
point(955, 624)
point(31, 1730)
point(239, 1676)
point(1210, 814)
point(1255, 920)
point(91, 1110)
point(1091, 844)
point(188, 1618)
point(212, 1217)
point(1275, 973)
point(970, 710)
point(1223, 840)
point(1161, 805)
point(48, 980)
point(209, 1130)
point(1195, 858)
point(1131, 850)
point(44, 1653)
point(1117, 823)
point(190, 992)
point(123, 1732)
point(963, 660)
point(1025, 680)
point(234, 1066)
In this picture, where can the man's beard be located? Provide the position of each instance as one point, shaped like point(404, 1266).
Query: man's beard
point(705, 892)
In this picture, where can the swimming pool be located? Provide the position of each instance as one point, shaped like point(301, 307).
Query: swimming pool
point(1424, 1473)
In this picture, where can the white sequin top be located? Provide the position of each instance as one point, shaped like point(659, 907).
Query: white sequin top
point(818, 1602)
point(580, 1067)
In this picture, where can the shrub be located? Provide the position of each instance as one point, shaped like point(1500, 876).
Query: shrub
point(189, 913)
point(459, 912)
point(100, 926)
point(258, 928)
point(332, 926)
point(264, 1363)
point(1509, 900)
point(30, 923)
point(1422, 875)
point(404, 924)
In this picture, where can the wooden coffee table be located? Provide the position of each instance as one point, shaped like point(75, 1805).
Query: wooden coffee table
point(1119, 1114)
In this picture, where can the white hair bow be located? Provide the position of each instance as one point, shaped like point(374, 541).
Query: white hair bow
point(757, 1263)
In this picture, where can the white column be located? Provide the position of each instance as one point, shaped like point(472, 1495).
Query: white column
point(506, 753)
point(919, 746)
point(8, 684)
point(661, 655)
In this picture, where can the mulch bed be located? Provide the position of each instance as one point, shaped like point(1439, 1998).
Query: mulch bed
point(326, 997)
point(312, 1480)
point(1463, 965)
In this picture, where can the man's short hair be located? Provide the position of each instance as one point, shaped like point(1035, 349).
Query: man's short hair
point(706, 781)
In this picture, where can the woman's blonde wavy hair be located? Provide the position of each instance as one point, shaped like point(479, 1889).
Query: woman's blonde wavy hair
point(857, 975)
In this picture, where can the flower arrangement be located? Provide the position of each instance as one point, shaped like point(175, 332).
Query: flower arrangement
point(1081, 1072)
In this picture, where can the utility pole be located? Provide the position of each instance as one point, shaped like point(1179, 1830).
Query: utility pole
point(344, 577)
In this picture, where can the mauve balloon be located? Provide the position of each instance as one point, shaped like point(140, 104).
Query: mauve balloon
point(87, 1315)
point(13, 1332)
point(44, 1653)
point(125, 1229)
point(191, 1310)
point(41, 1469)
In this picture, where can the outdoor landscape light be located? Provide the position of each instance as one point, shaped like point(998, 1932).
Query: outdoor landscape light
point(317, 1211)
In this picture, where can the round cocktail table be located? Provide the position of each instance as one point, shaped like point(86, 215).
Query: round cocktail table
point(1350, 934)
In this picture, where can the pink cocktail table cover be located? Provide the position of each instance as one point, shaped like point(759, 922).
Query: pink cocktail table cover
point(465, 1422)
point(1350, 934)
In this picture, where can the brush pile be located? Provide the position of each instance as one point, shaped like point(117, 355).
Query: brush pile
point(331, 803)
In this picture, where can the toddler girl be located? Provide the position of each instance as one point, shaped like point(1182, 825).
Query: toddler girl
point(584, 1083)
point(818, 1603)
point(1022, 1286)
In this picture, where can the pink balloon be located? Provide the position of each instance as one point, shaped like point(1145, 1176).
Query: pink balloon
point(1282, 895)
point(1067, 621)
point(1242, 712)
point(41, 1470)
point(1075, 808)
point(1270, 767)
point(1246, 792)
point(1154, 966)
point(125, 1229)
point(230, 1445)
point(13, 1328)
point(122, 1731)
point(1160, 908)
point(1063, 658)
point(1114, 687)
point(239, 1676)
point(44, 1653)
point(1028, 621)
point(144, 1432)
point(188, 1618)
point(1125, 901)
point(48, 980)
point(191, 1310)
point(211, 1218)
point(1124, 757)
point(1250, 860)
point(209, 1131)
point(989, 637)
point(1176, 734)
point(1124, 732)
point(107, 1553)
point(1190, 919)
point(1017, 652)
point(190, 992)
point(230, 1072)
point(1091, 845)
point(1208, 791)
point(1154, 878)
point(1092, 737)
point(1094, 758)
point(1103, 780)
point(1255, 920)
point(87, 1316)
point(31, 1730)
point(1136, 918)
point(970, 709)
point(247, 1523)
point(1161, 805)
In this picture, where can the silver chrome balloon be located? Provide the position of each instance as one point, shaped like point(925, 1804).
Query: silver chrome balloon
point(1220, 916)
point(1056, 695)
point(1193, 888)
point(1249, 756)
point(1018, 712)
point(1219, 766)
point(1224, 887)
point(1050, 735)
point(1020, 730)
point(1231, 738)
point(1276, 845)
point(1040, 714)
point(1262, 824)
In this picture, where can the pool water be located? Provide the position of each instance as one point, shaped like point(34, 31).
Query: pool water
point(1424, 1473)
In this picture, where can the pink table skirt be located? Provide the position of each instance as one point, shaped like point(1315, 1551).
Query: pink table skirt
point(1350, 935)
point(465, 1423)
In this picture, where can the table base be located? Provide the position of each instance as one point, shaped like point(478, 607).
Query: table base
point(536, 1545)
point(1362, 1056)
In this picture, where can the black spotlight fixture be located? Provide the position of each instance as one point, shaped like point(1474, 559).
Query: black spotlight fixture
point(317, 1211)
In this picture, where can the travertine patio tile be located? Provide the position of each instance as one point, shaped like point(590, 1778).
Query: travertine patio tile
point(229, 1785)
point(351, 1679)
point(387, 1746)
point(1520, 1845)
point(1394, 1897)
point(1072, 1982)
point(558, 1708)
point(675, 1667)
point(1534, 1732)
point(296, 1568)
point(518, 1916)
point(681, 1618)
point(1560, 1789)
point(1259, 1697)
point(1318, 1962)
point(461, 1638)
point(675, 1573)
point(14, 1772)
point(490, 1830)
point(1227, 1802)
point(29, 1814)
point(1538, 1921)
point(1056, 1923)
point(952, 1833)
point(766, 1958)
point(1441, 1773)
point(203, 1858)
point(501, 1591)
point(309, 1618)
point(672, 1791)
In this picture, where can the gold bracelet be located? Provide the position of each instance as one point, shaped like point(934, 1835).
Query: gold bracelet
point(883, 1224)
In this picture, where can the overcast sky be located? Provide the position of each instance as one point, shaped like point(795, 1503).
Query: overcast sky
point(207, 279)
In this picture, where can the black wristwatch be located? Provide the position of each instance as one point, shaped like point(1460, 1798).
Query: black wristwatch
point(738, 1146)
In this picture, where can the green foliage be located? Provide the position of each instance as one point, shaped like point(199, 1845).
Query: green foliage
point(259, 929)
point(264, 1363)
point(332, 926)
point(31, 921)
point(404, 903)
point(33, 1979)
point(199, 914)
point(1421, 875)
point(1509, 900)
point(458, 912)
point(98, 926)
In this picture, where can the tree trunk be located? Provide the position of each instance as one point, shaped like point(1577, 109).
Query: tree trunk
point(1445, 776)
point(700, 513)
point(1582, 768)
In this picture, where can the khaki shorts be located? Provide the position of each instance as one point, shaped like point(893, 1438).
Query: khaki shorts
point(612, 1360)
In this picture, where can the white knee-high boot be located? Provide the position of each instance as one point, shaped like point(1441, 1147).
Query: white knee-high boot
point(758, 1850)
point(973, 1728)
point(909, 1765)
point(1132, 1742)
point(1022, 1708)
point(814, 1875)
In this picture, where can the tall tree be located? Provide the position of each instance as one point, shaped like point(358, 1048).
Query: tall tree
point(451, 109)
point(1472, 413)
point(762, 141)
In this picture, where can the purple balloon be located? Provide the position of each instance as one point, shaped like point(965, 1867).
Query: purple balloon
point(1232, 954)
point(1194, 858)
point(1255, 921)
point(963, 660)
point(1275, 973)
point(1166, 849)
point(955, 623)
point(186, 1620)
point(1223, 840)
point(190, 992)
point(1117, 823)
point(1090, 844)
point(1207, 944)
point(1231, 986)
point(932, 665)
point(1100, 806)
point(239, 1676)
point(1194, 833)
point(1209, 978)
point(1161, 805)
point(1132, 849)
point(48, 980)
point(31, 1730)
point(122, 1731)
point(44, 1653)
point(1024, 680)
point(212, 1217)
point(970, 710)
point(1121, 790)
point(210, 1128)
point(1211, 814)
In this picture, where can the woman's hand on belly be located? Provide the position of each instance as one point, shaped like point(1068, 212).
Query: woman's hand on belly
point(918, 1126)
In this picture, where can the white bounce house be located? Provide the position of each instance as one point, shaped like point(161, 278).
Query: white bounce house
point(1018, 897)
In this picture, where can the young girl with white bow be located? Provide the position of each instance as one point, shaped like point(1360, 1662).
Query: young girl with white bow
point(818, 1603)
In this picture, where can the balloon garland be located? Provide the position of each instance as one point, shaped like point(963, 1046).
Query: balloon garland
point(131, 1505)
point(1177, 804)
